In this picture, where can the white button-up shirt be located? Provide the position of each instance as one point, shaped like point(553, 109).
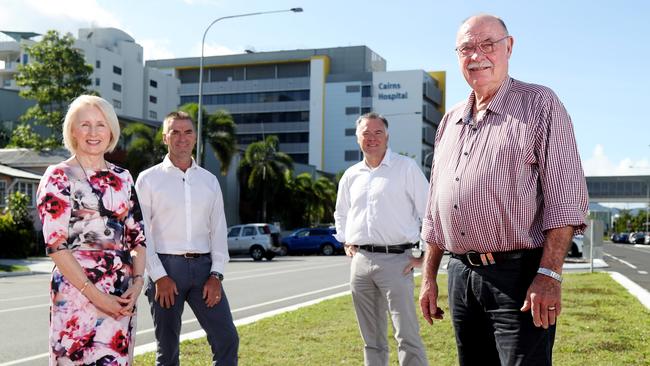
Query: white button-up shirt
point(382, 205)
point(183, 213)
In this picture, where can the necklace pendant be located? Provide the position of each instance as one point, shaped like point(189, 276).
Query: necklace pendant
point(107, 232)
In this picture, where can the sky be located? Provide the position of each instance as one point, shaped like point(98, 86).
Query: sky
point(593, 54)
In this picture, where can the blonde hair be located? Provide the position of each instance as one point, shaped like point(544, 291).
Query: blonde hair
point(90, 101)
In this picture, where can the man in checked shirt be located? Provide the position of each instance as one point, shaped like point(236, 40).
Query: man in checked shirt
point(507, 194)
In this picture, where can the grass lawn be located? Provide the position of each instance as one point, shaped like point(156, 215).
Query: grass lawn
point(601, 324)
point(13, 268)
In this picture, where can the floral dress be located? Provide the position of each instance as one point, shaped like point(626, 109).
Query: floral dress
point(97, 217)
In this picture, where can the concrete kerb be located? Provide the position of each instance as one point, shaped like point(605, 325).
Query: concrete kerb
point(36, 266)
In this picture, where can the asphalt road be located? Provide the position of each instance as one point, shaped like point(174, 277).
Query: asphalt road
point(633, 261)
point(252, 288)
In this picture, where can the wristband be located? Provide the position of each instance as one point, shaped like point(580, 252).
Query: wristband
point(547, 272)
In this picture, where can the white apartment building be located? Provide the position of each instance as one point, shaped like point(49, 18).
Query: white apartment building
point(119, 74)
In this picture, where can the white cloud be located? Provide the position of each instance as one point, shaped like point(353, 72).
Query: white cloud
point(63, 15)
point(213, 49)
point(600, 165)
point(156, 49)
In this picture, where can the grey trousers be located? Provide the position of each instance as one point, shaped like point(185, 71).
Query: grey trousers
point(379, 286)
point(190, 274)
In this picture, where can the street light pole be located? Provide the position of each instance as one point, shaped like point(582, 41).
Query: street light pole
point(199, 143)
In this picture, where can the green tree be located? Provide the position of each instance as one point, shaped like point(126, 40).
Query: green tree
point(218, 131)
point(145, 147)
point(261, 176)
point(17, 238)
point(312, 201)
point(55, 76)
point(24, 136)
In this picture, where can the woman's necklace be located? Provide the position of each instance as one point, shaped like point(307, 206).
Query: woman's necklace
point(98, 193)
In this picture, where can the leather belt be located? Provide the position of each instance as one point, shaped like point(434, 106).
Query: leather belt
point(476, 259)
point(393, 249)
point(188, 255)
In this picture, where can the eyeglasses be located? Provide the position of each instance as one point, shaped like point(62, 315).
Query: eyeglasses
point(486, 47)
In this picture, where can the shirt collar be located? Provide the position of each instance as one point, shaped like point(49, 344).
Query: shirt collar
point(168, 165)
point(496, 105)
point(385, 161)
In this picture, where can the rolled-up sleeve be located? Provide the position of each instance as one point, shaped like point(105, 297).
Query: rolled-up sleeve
point(562, 180)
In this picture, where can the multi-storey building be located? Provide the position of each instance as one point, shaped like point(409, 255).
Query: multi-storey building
point(119, 74)
point(311, 98)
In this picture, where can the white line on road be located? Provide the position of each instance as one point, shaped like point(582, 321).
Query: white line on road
point(24, 308)
point(24, 297)
point(197, 334)
point(622, 261)
point(632, 287)
point(643, 272)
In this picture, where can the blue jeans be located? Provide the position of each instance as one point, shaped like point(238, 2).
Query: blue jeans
point(190, 275)
point(490, 329)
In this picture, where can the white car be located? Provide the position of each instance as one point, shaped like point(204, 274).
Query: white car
point(576, 246)
point(257, 240)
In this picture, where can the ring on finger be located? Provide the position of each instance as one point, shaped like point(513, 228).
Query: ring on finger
point(551, 308)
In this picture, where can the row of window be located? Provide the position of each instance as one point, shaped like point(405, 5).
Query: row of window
point(366, 90)
point(356, 111)
point(251, 72)
point(27, 188)
point(291, 137)
point(246, 98)
point(245, 118)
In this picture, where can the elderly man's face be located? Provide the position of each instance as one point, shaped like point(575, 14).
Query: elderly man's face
point(484, 71)
point(372, 138)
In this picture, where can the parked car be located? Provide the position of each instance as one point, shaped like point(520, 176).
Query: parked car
point(576, 246)
point(257, 240)
point(620, 238)
point(311, 240)
point(637, 238)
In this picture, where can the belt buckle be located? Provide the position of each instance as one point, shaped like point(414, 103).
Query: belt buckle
point(469, 254)
point(189, 255)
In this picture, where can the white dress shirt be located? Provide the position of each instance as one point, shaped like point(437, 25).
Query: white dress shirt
point(183, 213)
point(382, 205)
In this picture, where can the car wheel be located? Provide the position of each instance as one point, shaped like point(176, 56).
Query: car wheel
point(257, 252)
point(574, 251)
point(283, 250)
point(269, 255)
point(327, 249)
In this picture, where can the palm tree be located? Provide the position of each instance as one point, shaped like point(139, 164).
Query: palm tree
point(261, 171)
point(219, 132)
point(144, 147)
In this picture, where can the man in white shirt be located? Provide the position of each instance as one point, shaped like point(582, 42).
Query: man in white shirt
point(380, 203)
point(185, 227)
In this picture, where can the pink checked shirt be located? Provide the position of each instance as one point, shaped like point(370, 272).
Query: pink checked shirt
point(497, 184)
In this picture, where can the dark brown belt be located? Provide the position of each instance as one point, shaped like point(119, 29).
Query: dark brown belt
point(476, 259)
point(393, 249)
point(187, 255)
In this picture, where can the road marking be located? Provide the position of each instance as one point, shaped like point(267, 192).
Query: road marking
point(643, 272)
point(639, 292)
point(24, 308)
point(622, 261)
point(26, 359)
point(24, 297)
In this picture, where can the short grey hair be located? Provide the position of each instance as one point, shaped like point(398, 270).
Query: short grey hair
point(72, 116)
point(372, 115)
point(498, 19)
point(173, 116)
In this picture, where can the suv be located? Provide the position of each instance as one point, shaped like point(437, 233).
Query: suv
point(311, 240)
point(257, 240)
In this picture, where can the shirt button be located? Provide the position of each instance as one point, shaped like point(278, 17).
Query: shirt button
point(474, 129)
point(456, 207)
point(465, 153)
point(457, 179)
point(462, 234)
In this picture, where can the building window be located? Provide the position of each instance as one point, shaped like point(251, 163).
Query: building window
point(153, 115)
point(352, 88)
point(117, 104)
point(351, 110)
point(350, 131)
point(352, 155)
point(25, 59)
point(117, 87)
point(366, 91)
point(153, 83)
point(97, 81)
point(98, 64)
point(153, 99)
point(3, 193)
point(117, 70)
point(27, 189)
point(365, 110)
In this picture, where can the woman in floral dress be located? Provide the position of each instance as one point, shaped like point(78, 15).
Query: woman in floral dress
point(93, 233)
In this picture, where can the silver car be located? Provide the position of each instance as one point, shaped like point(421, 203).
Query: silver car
point(257, 240)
